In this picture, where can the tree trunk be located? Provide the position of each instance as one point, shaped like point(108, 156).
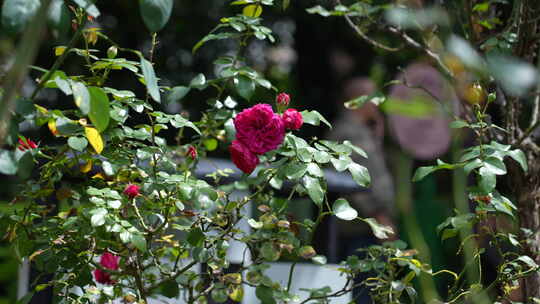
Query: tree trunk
point(527, 194)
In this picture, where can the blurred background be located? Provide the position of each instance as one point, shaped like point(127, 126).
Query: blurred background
point(321, 63)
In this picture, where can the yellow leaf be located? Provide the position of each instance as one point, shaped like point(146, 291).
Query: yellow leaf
point(94, 138)
point(52, 127)
point(86, 167)
point(99, 175)
point(252, 10)
point(59, 50)
point(236, 293)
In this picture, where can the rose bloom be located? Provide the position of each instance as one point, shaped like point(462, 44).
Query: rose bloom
point(108, 261)
point(192, 152)
point(292, 119)
point(283, 99)
point(131, 190)
point(259, 128)
point(242, 157)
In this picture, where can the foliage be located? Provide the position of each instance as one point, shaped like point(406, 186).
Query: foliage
point(111, 188)
point(115, 188)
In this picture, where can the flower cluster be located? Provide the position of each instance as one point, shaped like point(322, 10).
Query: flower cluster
point(260, 130)
point(107, 261)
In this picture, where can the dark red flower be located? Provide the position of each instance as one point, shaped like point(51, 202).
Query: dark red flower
point(292, 119)
point(131, 190)
point(242, 157)
point(192, 152)
point(26, 144)
point(259, 128)
point(283, 99)
point(108, 261)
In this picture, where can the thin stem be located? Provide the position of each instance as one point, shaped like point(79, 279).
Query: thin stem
point(291, 272)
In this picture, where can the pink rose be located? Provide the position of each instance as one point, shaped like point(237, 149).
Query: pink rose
point(242, 157)
point(292, 119)
point(259, 128)
point(283, 99)
point(131, 191)
point(108, 261)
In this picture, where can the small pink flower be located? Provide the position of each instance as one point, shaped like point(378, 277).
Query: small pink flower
point(283, 99)
point(131, 190)
point(292, 119)
point(242, 157)
point(259, 128)
point(26, 144)
point(108, 261)
point(192, 152)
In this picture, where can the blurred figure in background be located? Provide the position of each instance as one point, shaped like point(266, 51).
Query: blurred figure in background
point(365, 127)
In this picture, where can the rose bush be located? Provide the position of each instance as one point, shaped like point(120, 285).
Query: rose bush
point(116, 209)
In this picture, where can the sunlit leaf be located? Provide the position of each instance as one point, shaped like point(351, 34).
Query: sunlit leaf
point(94, 138)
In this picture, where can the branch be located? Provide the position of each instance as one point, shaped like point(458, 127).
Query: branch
point(417, 45)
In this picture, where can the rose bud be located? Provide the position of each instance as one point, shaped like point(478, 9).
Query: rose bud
point(192, 152)
point(283, 99)
point(131, 191)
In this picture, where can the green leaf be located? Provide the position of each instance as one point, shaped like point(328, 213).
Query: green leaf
point(488, 180)
point(315, 170)
point(270, 252)
point(78, 143)
point(198, 81)
point(220, 36)
point(495, 166)
point(169, 289)
point(295, 170)
point(245, 86)
point(176, 94)
point(341, 163)
point(150, 79)
point(8, 163)
point(25, 165)
point(81, 96)
point(458, 124)
point(89, 7)
point(380, 231)
point(139, 241)
point(343, 210)
point(219, 295)
point(520, 157)
point(99, 108)
point(252, 10)
point(314, 118)
point(265, 294)
point(98, 218)
point(16, 14)
point(356, 149)
point(195, 237)
point(360, 174)
point(155, 13)
point(319, 260)
point(314, 189)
